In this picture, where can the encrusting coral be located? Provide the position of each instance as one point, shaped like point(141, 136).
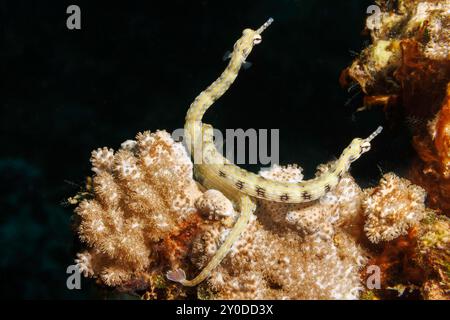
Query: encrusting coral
point(142, 194)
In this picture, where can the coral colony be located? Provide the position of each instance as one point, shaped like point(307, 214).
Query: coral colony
point(147, 223)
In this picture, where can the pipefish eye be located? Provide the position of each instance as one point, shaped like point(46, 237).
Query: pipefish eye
point(257, 39)
point(365, 146)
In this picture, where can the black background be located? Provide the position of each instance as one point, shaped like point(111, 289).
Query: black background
point(137, 65)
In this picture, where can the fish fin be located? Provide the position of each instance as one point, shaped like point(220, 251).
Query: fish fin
point(247, 65)
point(227, 55)
point(177, 275)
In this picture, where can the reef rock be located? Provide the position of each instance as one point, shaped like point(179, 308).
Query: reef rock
point(142, 194)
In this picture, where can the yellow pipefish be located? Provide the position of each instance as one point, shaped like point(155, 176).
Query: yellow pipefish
point(214, 171)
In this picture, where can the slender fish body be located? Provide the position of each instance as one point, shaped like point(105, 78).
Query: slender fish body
point(214, 171)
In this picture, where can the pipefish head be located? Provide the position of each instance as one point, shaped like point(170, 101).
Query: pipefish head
point(250, 38)
point(360, 146)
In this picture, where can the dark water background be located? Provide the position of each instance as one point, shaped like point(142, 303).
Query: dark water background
point(137, 65)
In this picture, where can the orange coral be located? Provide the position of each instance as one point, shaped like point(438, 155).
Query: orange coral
point(433, 148)
point(396, 263)
point(442, 139)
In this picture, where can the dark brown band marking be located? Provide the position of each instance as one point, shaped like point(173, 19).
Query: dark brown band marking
point(222, 174)
point(306, 195)
point(284, 197)
point(260, 191)
point(240, 185)
point(327, 188)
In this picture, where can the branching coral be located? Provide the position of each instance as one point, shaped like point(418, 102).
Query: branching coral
point(143, 194)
